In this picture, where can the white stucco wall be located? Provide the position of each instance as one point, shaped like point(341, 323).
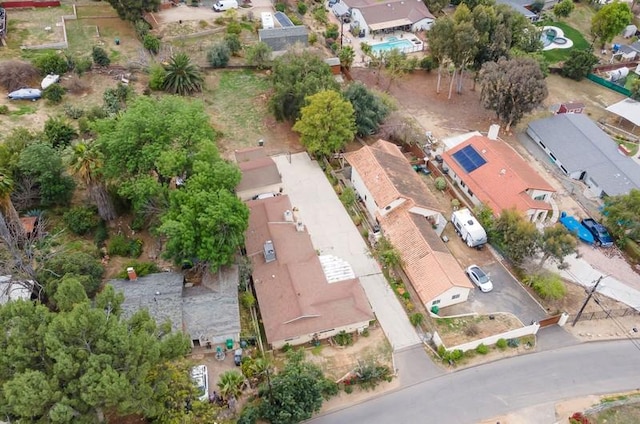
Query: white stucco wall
point(422, 25)
point(363, 191)
point(447, 298)
point(306, 338)
point(248, 194)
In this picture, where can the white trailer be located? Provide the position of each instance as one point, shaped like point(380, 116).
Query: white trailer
point(468, 228)
point(267, 20)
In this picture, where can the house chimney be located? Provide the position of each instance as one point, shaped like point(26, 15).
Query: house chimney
point(299, 226)
point(132, 274)
point(288, 216)
point(493, 132)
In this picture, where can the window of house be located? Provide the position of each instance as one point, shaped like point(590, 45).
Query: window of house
point(542, 197)
point(435, 302)
point(564, 169)
point(455, 296)
point(462, 183)
point(552, 156)
point(542, 144)
point(470, 193)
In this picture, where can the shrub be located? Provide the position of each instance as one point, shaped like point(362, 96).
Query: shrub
point(157, 74)
point(416, 319)
point(313, 38)
point(428, 63)
point(151, 43)
point(247, 300)
point(472, 330)
point(348, 389)
point(141, 268)
point(302, 8)
point(548, 285)
point(15, 74)
point(80, 219)
point(4, 110)
point(96, 112)
point(118, 246)
point(632, 249)
point(233, 43)
point(332, 31)
point(142, 28)
point(218, 55)
point(501, 344)
point(234, 28)
point(100, 56)
point(51, 63)
point(83, 64)
point(101, 235)
point(441, 183)
point(258, 54)
point(482, 349)
point(73, 112)
point(320, 15)
point(53, 93)
point(343, 338)
point(58, 133)
point(281, 7)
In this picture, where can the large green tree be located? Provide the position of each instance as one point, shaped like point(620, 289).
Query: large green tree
point(622, 216)
point(78, 364)
point(579, 64)
point(369, 109)
point(517, 236)
point(609, 21)
point(295, 393)
point(296, 76)
point(326, 124)
point(134, 10)
point(206, 221)
point(44, 165)
point(556, 243)
point(512, 88)
point(149, 146)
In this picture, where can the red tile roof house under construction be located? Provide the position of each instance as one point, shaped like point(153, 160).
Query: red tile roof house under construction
point(301, 296)
point(493, 173)
point(409, 217)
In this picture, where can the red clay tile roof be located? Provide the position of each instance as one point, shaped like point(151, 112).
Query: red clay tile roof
point(427, 261)
point(293, 293)
point(258, 173)
point(390, 175)
point(501, 183)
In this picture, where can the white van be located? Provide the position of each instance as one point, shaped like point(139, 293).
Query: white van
point(222, 5)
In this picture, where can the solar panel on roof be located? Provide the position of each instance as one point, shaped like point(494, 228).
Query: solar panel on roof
point(469, 159)
point(283, 19)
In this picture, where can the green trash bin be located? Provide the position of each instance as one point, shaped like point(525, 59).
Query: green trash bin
point(229, 343)
point(435, 309)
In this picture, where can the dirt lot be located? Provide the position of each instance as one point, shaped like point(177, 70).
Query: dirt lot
point(455, 331)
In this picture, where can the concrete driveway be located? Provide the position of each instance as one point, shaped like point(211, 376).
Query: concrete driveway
point(333, 233)
point(507, 296)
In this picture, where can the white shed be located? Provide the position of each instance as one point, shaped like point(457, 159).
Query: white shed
point(629, 31)
point(267, 20)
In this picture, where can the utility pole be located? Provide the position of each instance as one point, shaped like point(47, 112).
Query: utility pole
point(584, 305)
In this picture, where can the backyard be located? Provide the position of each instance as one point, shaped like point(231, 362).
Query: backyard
point(579, 43)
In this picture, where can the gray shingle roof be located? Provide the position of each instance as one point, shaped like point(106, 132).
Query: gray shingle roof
point(581, 145)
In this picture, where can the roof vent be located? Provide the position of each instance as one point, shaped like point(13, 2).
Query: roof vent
point(299, 226)
point(288, 216)
point(503, 171)
point(269, 252)
point(493, 132)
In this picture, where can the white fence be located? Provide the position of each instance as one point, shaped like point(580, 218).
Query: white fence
point(511, 334)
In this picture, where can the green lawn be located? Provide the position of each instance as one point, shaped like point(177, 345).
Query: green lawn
point(579, 42)
point(239, 105)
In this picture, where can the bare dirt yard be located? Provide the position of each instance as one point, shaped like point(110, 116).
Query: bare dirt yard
point(455, 331)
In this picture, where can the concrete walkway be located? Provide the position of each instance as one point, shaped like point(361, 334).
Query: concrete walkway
point(333, 233)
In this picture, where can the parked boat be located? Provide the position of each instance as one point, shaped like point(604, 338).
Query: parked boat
point(49, 80)
point(32, 94)
point(575, 227)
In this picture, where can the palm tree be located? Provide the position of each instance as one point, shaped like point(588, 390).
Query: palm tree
point(86, 164)
point(7, 209)
point(347, 56)
point(230, 384)
point(182, 77)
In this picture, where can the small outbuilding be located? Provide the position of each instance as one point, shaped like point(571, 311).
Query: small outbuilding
point(280, 39)
point(629, 31)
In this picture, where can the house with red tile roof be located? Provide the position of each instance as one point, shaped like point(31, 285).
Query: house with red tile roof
point(491, 172)
point(410, 218)
point(301, 296)
point(259, 173)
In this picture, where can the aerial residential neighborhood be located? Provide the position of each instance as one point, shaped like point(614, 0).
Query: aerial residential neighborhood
point(248, 211)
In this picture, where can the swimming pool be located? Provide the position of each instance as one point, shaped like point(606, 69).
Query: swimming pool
point(393, 43)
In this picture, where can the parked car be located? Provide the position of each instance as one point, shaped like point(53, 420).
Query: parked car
point(480, 278)
point(600, 233)
point(32, 94)
point(200, 376)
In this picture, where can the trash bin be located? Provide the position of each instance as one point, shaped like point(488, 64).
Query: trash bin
point(117, 40)
point(435, 309)
point(229, 343)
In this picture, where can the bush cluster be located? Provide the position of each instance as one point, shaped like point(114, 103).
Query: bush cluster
point(80, 219)
point(120, 245)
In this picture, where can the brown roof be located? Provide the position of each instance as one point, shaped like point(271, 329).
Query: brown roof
point(394, 10)
point(427, 260)
point(293, 293)
point(250, 153)
point(391, 175)
point(258, 173)
point(501, 183)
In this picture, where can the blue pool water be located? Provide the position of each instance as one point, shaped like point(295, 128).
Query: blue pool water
point(392, 43)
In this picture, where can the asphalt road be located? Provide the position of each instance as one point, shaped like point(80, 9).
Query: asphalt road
point(494, 389)
point(507, 296)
